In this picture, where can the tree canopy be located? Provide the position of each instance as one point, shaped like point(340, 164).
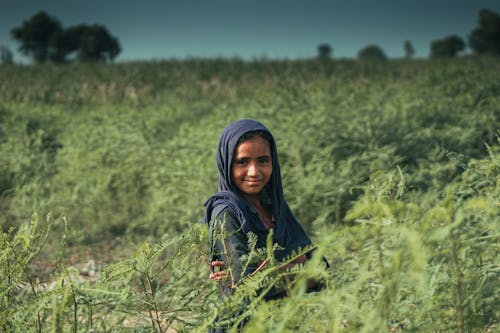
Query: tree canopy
point(409, 49)
point(372, 52)
point(6, 56)
point(93, 43)
point(324, 51)
point(447, 47)
point(486, 37)
point(43, 38)
point(38, 36)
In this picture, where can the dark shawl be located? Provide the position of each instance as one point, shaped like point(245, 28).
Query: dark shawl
point(288, 232)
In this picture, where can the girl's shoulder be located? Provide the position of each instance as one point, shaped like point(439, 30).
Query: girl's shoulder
point(221, 212)
point(224, 217)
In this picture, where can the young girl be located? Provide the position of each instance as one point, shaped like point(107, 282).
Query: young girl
point(250, 199)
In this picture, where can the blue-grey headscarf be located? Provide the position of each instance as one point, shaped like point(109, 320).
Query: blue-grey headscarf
point(288, 232)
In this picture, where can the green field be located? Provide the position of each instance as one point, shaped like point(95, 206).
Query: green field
point(392, 167)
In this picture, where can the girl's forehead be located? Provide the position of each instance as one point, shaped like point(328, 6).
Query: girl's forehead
point(254, 143)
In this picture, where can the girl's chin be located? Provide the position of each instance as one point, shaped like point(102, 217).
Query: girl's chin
point(252, 190)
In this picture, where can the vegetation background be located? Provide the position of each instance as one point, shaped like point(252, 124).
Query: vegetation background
point(392, 167)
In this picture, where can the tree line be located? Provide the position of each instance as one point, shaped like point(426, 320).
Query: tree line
point(44, 39)
point(484, 39)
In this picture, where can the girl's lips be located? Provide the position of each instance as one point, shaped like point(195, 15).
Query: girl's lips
point(253, 182)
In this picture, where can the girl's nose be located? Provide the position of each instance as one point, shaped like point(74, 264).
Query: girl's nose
point(252, 169)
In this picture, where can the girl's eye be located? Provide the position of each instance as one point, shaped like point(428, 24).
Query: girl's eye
point(264, 160)
point(241, 162)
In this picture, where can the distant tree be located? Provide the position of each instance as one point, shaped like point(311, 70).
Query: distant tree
point(92, 43)
point(486, 37)
point(324, 51)
point(447, 47)
point(372, 52)
point(409, 50)
point(43, 38)
point(38, 36)
point(6, 56)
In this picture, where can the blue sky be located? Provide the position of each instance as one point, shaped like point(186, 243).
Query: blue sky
point(250, 29)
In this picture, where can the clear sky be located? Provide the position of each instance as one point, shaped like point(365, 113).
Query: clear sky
point(160, 29)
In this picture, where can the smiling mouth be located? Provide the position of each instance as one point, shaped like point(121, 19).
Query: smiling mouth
point(253, 182)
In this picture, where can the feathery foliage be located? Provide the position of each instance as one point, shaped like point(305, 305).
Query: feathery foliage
point(392, 167)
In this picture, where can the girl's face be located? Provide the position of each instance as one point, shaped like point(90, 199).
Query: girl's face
point(252, 166)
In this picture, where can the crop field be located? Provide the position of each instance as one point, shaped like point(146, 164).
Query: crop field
point(392, 167)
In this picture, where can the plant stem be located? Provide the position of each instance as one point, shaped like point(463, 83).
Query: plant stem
point(458, 291)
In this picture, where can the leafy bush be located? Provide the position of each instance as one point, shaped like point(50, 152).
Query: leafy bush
point(392, 167)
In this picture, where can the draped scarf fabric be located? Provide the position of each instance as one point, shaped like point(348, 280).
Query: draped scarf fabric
point(288, 232)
